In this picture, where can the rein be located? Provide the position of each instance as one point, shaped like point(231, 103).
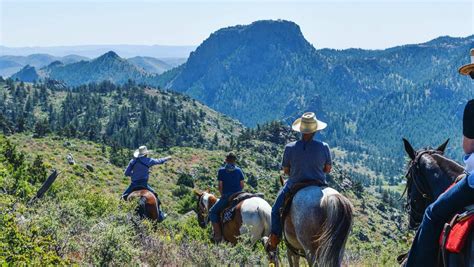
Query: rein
point(412, 176)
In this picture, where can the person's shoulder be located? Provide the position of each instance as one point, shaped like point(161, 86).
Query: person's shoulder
point(321, 143)
point(221, 169)
point(291, 144)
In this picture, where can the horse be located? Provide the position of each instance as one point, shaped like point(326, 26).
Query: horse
point(148, 204)
point(252, 216)
point(317, 226)
point(429, 174)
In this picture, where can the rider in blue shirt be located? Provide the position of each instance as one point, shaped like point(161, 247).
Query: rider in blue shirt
point(425, 245)
point(304, 160)
point(231, 180)
point(139, 170)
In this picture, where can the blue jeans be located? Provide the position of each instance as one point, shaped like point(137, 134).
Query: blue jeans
point(425, 246)
point(216, 209)
point(142, 183)
point(279, 201)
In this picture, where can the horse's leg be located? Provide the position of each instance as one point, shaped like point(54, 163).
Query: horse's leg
point(293, 259)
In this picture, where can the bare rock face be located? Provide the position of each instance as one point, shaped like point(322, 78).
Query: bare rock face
point(89, 167)
point(70, 159)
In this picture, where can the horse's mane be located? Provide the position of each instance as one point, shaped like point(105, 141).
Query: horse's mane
point(449, 166)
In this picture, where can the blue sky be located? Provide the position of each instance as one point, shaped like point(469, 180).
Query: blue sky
point(335, 24)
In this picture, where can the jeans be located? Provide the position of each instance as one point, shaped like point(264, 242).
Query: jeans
point(142, 183)
point(276, 218)
point(215, 211)
point(425, 245)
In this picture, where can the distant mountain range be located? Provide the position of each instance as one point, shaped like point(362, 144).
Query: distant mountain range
point(106, 67)
point(92, 51)
point(12, 64)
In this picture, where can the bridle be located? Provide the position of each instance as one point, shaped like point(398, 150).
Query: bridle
point(202, 211)
point(414, 176)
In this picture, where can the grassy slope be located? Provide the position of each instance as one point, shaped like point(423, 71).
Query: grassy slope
point(374, 239)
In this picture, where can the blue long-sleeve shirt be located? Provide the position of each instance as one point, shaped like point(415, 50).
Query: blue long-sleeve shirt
point(138, 168)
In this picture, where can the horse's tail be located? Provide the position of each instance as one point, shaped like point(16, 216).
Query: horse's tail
point(337, 214)
point(142, 211)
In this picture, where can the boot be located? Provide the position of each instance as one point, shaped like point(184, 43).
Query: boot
point(272, 243)
point(216, 227)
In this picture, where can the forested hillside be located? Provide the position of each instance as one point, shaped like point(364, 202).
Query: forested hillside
point(120, 116)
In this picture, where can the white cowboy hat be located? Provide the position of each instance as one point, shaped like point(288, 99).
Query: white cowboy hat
point(468, 68)
point(308, 124)
point(141, 151)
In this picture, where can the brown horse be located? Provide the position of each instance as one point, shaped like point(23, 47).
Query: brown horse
point(148, 206)
point(252, 216)
point(317, 227)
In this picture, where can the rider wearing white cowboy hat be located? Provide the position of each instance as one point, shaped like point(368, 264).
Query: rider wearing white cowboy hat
point(425, 244)
point(138, 169)
point(303, 160)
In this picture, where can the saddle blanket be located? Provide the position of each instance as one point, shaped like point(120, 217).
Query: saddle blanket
point(458, 234)
point(229, 212)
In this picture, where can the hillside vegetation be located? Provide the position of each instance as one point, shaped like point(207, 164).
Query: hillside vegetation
point(81, 219)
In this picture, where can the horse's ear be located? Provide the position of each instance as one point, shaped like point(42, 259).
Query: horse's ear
point(409, 149)
point(442, 147)
point(197, 193)
point(208, 190)
point(282, 181)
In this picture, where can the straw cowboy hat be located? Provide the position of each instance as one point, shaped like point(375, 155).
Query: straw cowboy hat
point(468, 69)
point(308, 124)
point(141, 152)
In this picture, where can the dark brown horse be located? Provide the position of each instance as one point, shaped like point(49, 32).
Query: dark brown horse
point(148, 205)
point(429, 174)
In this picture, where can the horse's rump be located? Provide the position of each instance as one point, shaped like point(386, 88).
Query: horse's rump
point(253, 216)
point(318, 223)
point(148, 204)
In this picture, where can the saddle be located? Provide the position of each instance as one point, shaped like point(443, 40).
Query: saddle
point(456, 232)
point(228, 212)
point(140, 187)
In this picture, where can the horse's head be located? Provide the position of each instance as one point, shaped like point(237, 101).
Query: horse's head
point(429, 174)
point(202, 209)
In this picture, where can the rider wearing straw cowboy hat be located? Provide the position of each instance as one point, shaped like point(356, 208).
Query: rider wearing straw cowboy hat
point(139, 168)
point(303, 160)
point(425, 244)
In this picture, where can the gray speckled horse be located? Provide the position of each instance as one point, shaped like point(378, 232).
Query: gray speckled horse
point(318, 226)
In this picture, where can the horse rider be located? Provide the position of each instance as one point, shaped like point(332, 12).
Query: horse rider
point(303, 160)
point(231, 180)
point(139, 170)
point(425, 245)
